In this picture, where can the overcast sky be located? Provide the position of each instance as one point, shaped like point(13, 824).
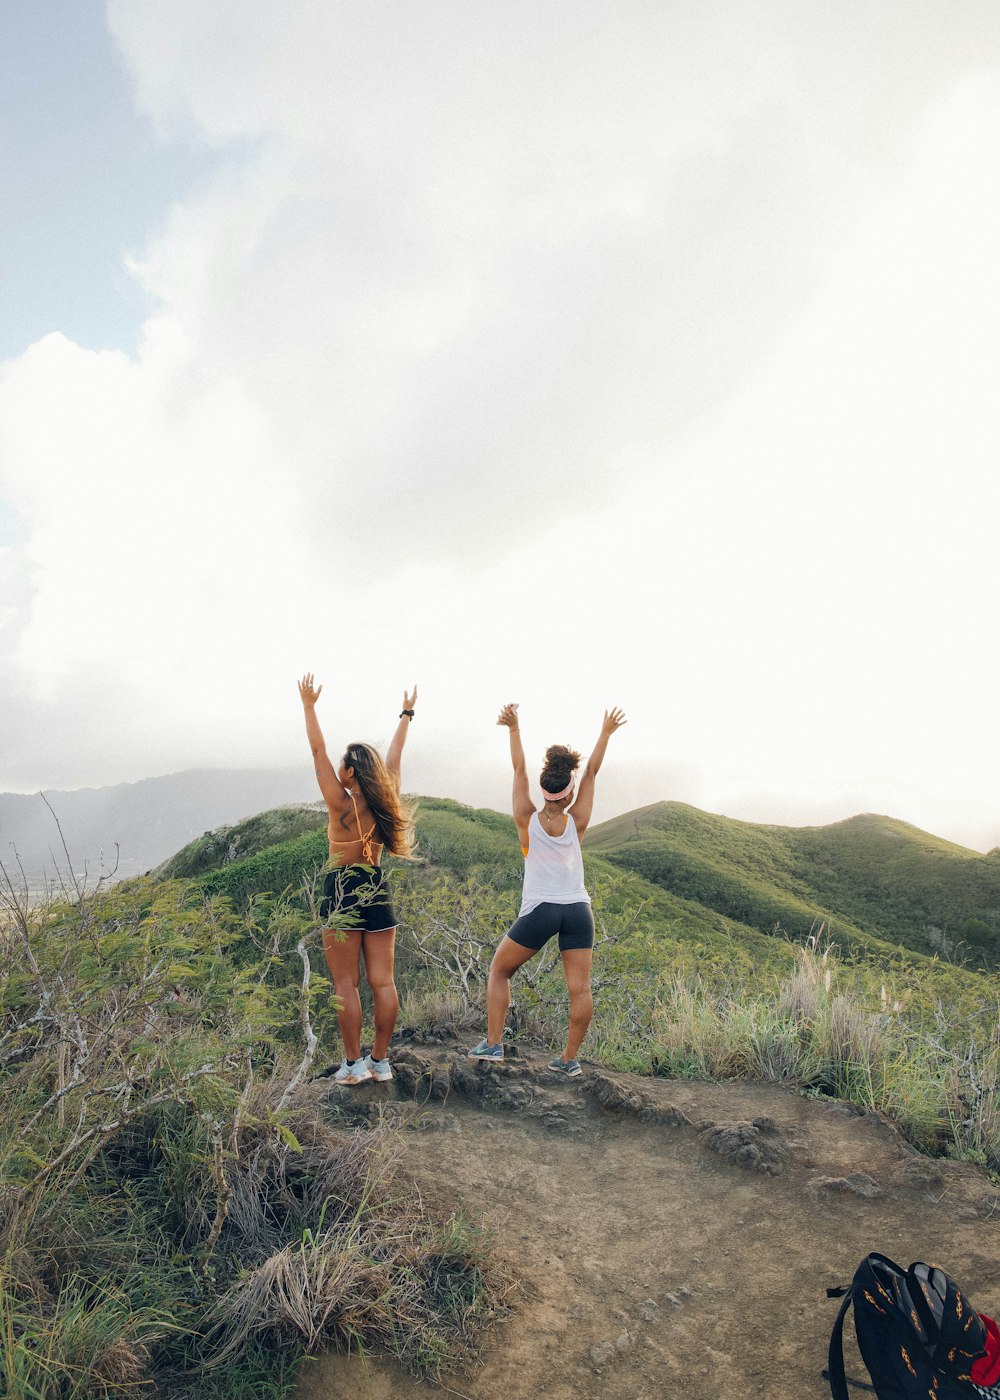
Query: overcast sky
point(576, 353)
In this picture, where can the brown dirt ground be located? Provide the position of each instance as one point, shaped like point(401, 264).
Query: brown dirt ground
point(660, 1252)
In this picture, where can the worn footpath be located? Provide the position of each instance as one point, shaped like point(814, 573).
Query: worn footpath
point(668, 1237)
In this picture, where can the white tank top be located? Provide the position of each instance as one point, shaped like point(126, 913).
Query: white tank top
point(553, 867)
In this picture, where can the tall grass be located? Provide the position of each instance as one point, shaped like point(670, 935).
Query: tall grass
point(854, 1044)
point(824, 1026)
point(174, 1205)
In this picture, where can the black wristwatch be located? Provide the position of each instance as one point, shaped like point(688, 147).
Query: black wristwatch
point(407, 713)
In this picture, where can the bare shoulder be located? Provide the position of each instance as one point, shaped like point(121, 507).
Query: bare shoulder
point(336, 797)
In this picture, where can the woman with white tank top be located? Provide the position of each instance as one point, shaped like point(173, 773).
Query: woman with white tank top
point(554, 900)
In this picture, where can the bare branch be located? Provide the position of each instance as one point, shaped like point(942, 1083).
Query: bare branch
point(307, 1030)
point(104, 1131)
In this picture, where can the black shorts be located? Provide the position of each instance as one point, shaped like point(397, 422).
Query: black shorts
point(574, 924)
point(361, 893)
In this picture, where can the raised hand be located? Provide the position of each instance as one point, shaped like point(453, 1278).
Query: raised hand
point(309, 693)
point(508, 716)
point(409, 701)
point(613, 719)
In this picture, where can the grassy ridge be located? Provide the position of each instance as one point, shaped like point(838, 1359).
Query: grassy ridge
point(686, 913)
point(231, 844)
point(464, 842)
point(683, 984)
point(867, 878)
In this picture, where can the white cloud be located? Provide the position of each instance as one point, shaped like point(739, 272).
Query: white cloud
point(541, 350)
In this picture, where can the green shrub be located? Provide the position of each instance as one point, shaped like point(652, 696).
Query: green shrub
point(162, 1157)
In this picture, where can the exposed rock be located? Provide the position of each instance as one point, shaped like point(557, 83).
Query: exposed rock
point(427, 1035)
point(920, 1173)
point(746, 1145)
point(419, 1078)
point(857, 1184)
point(615, 1098)
point(848, 1109)
point(502, 1085)
point(767, 1126)
point(354, 1109)
point(601, 1354)
point(555, 1120)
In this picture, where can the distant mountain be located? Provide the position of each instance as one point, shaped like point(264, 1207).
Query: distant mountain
point(147, 821)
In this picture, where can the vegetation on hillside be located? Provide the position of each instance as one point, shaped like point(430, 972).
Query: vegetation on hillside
point(229, 845)
point(177, 1203)
point(868, 878)
point(680, 987)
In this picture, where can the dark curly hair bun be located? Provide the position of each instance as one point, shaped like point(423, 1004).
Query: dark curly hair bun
point(560, 765)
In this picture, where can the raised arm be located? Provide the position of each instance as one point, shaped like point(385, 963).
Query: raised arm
point(394, 757)
point(584, 804)
point(329, 784)
point(522, 803)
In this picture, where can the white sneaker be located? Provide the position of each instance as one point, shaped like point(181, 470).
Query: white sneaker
point(352, 1072)
point(379, 1069)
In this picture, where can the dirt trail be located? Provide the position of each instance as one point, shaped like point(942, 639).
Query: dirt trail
point(669, 1237)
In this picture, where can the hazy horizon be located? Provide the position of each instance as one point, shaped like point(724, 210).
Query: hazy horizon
point(492, 791)
point(552, 352)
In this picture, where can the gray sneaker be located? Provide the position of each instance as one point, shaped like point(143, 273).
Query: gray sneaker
point(352, 1072)
point(379, 1069)
point(485, 1051)
point(570, 1068)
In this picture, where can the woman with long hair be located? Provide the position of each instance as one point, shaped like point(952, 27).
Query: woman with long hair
point(367, 817)
point(554, 900)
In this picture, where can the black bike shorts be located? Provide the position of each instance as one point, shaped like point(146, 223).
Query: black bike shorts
point(361, 893)
point(574, 923)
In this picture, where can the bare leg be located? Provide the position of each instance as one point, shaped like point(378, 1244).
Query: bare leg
point(506, 960)
point(343, 958)
point(576, 965)
point(380, 958)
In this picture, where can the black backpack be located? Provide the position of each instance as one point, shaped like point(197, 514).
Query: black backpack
point(918, 1334)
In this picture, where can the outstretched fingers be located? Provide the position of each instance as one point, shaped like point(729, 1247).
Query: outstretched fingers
point(508, 716)
point(613, 719)
point(309, 692)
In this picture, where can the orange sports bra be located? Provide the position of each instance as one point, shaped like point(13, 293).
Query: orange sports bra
point(364, 837)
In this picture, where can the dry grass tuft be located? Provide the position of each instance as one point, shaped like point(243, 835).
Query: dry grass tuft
point(377, 1272)
point(121, 1365)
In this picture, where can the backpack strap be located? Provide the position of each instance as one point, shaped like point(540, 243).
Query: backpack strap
point(930, 1324)
point(835, 1360)
point(835, 1372)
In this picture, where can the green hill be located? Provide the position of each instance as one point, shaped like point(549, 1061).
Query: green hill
point(707, 960)
point(678, 891)
point(866, 878)
point(228, 845)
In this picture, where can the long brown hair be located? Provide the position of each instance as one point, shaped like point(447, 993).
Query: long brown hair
point(393, 819)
